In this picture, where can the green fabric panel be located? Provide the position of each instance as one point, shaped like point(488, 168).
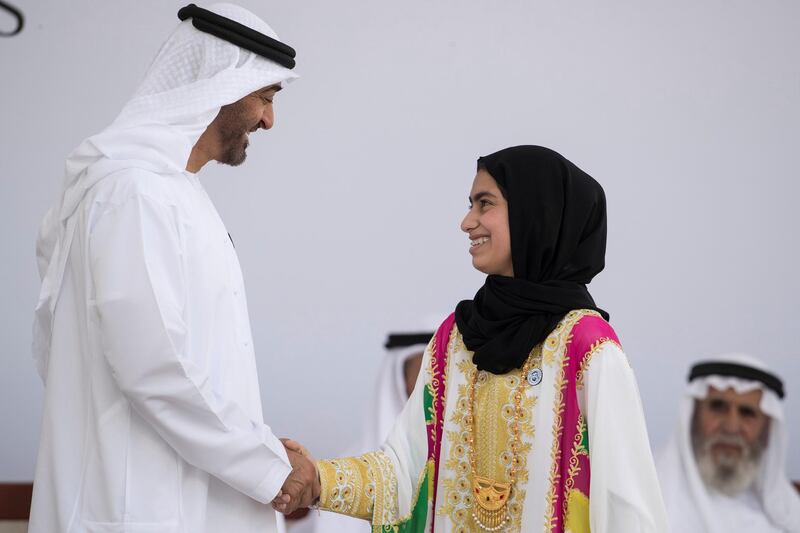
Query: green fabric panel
point(584, 435)
point(427, 400)
point(419, 514)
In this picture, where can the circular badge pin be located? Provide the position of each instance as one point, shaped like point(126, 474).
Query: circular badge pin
point(534, 376)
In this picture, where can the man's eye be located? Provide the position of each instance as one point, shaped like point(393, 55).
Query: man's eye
point(746, 412)
point(718, 405)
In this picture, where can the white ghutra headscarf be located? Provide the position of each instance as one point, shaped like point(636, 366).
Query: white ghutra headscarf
point(685, 492)
point(191, 78)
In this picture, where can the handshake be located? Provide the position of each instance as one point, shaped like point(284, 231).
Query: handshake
point(302, 488)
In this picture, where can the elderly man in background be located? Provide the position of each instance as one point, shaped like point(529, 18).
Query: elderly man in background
point(724, 469)
point(153, 417)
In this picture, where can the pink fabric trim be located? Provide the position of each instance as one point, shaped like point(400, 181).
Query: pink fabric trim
point(438, 379)
point(574, 468)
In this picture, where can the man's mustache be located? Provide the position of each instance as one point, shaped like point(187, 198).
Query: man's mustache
point(727, 440)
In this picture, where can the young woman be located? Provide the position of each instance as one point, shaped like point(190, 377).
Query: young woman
point(527, 415)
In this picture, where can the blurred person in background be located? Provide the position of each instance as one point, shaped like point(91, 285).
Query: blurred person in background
point(724, 469)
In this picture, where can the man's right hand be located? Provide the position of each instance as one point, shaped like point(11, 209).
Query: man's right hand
point(301, 489)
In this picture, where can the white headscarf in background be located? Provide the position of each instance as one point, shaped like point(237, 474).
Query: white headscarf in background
point(390, 395)
point(684, 491)
point(191, 78)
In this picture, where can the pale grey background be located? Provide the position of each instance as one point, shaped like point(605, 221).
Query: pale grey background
point(346, 214)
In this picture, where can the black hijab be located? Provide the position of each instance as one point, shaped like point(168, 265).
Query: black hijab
point(557, 221)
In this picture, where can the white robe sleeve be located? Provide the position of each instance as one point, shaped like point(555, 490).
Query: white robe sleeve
point(407, 442)
point(136, 262)
point(624, 492)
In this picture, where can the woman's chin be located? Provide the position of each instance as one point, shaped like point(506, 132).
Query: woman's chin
point(489, 271)
point(482, 267)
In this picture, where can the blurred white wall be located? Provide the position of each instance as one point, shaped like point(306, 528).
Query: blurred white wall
point(346, 214)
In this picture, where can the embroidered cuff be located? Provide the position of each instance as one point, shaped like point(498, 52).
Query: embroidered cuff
point(363, 487)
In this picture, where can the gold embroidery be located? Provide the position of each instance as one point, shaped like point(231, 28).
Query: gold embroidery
point(364, 487)
point(457, 497)
point(555, 450)
point(552, 343)
point(562, 335)
point(574, 463)
point(434, 385)
point(430, 350)
point(494, 416)
point(395, 524)
point(492, 495)
point(383, 485)
point(344, 487)
point(456, 342)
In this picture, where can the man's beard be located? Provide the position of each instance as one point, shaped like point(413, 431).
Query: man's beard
point(233, 130)
point(730, 475)
point(234, 150)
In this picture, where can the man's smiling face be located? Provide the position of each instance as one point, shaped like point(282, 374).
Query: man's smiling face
point(231, 128)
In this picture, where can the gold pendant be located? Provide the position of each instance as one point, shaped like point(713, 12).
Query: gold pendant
point(491, 498)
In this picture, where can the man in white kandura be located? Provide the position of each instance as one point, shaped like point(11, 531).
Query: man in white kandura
point(152, 417)
point(724, 470)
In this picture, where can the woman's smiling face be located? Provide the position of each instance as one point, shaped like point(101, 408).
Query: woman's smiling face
point(486, 223)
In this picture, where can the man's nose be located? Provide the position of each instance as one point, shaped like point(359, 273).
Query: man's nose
point(267, 118)
point(732, 423)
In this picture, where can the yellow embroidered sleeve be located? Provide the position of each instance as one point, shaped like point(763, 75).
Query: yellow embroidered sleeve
point(363, 487)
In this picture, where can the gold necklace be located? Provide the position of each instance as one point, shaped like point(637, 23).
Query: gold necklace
point(491, 496)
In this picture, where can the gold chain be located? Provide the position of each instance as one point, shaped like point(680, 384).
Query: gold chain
point(490, 510)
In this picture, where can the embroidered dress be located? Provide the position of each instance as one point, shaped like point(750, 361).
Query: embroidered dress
point(583, 460)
